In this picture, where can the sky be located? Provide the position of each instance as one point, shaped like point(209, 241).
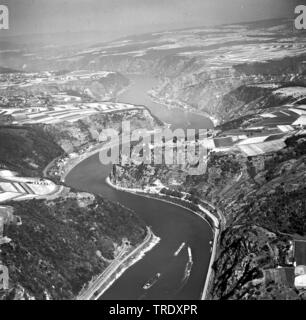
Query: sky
point(118, 18)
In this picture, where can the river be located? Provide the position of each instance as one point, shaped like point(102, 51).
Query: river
point(178, 118)
point(171, 223)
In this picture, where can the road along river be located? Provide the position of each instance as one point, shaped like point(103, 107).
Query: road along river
point(173, 224)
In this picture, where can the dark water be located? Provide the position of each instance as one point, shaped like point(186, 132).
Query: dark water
point(171, 223)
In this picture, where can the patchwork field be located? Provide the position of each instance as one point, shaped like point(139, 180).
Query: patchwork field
point(19, 188)
point(68, 112)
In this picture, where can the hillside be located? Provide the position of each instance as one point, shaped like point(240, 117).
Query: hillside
point(263, 201)
point(97, 87)
point(27, 150)
point(62, 244)
point(73, 136)
point(250, 77)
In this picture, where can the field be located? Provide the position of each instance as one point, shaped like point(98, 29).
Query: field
point(262, 148)
point(282, 276)
point(68, 112)
point(19, 188)
point(300, 252)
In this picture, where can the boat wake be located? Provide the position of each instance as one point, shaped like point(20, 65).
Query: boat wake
point(187, 272)
point(176, 253)
point(189, 265)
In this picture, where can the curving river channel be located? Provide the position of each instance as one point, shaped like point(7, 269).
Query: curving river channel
point(173, 224)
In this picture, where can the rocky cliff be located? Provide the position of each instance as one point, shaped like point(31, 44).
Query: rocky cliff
point(73, 136)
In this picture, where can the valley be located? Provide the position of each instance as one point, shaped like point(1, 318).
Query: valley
point(244, 83)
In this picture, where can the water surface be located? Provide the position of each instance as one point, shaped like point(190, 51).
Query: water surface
point(171, 223)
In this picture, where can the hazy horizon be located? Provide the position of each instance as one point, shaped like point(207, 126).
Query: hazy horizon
point(113, 19)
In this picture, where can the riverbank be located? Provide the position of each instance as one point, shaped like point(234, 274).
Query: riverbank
point(104, 281)
point(183, 107)
point(212, 220)
point(182, 122)
point(215, 226)
point(119, 266)
point(210, 274)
